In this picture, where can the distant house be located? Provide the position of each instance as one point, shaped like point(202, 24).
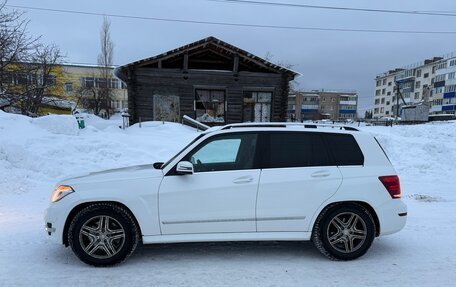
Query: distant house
point(209, 80)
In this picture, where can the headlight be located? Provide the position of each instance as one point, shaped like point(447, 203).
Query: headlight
point(60, 192)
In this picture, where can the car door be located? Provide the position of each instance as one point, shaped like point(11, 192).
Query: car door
point(220, 195)
point(298, 176)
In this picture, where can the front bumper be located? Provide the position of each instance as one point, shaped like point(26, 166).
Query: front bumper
point(55, 217)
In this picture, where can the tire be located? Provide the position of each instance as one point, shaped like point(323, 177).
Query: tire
point(344, 232)
point(103, 234)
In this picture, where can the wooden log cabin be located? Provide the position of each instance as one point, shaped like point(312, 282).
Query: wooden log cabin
point(208, 80)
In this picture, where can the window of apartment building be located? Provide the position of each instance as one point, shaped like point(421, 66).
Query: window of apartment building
point(417, 84)
point(453, 63)
point(383, 91)
point(387, 113)
point(417, 95)
point(418, 73)
point(377, 92)
point(68, 87)
point(426, 75)
point(114, 84)
point(390, 83)
point(378, 83)
point(439, 78)
point(88, 82)
point(449, 89)
point(387, 103)
point(394, 98)
point(333, 99)
point(438, 102)
point(377, 101)
point(439, 90)
point(376, 111)
point(383, 100)
point(51, 80)
point(442, 65)
point(451, 75)
point(388, 93)
point(384, 82)
point(382, 109)
point(101, 82)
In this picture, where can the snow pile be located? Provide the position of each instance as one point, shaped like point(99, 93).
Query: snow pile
point(36, 153)
point(423, 155)
point(49, 148)
point(58, 124)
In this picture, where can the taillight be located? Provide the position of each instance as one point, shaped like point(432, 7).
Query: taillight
point(392, 185)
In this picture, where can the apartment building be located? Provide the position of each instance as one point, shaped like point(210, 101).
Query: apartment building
point(77, 76)
point(64, 83)
point(316, 105)
point(430, 82)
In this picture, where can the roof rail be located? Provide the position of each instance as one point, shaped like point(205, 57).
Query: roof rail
point(285, 124)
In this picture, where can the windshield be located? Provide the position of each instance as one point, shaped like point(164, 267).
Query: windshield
point(197, 138)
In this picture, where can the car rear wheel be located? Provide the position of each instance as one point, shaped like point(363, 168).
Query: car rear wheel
point(103, 234)
point(344, 232)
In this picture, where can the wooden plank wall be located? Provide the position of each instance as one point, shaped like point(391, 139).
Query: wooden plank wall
point(150, 81)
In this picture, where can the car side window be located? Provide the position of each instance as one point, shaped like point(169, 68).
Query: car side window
point(224, 152)
point(218, 151)
point(345, 149)
point(298, 149)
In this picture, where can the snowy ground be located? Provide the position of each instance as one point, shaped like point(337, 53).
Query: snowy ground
point(35, 153)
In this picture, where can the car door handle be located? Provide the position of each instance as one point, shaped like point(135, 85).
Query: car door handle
point(243, 179)
point(321, 173)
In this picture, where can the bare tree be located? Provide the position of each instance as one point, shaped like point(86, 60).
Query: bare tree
point(43, 85)
point(15, 47)
point(98, 97)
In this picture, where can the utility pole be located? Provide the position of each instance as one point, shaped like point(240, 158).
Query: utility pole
point(397, 100)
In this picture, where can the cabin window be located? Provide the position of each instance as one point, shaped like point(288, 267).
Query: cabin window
point(210, 106)
point(257, 106)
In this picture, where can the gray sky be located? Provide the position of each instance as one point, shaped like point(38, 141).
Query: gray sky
point(329, 60)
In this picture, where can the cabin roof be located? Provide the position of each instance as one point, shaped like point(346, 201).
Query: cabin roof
point(203, 43)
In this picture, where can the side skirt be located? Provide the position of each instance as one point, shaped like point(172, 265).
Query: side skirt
point(245, 236)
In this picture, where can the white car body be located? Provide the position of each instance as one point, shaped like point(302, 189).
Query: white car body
point(235, 205)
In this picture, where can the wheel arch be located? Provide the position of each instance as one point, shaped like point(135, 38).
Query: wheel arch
point(363, 204)
point(83, 205)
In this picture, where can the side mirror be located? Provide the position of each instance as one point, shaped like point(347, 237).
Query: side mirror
point(184, 167)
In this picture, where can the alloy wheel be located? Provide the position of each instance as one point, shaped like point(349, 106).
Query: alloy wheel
point(346, 232)
point(102, 237)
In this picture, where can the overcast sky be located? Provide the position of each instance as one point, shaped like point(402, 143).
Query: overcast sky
point(328, 60)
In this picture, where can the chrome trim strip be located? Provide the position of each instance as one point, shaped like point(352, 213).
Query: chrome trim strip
point(235, 220)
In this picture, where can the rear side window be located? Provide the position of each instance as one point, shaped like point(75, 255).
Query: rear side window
point(299, 149)
point(345, 149)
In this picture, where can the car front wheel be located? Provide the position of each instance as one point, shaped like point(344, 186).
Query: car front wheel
point(103, 234)
point(344, 232)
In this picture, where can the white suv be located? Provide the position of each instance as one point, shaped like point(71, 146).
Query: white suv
point(277, 181)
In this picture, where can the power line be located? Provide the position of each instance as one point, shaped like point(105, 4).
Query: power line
point(231, 24)
point(427, 13)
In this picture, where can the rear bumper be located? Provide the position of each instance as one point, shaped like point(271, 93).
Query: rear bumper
point(392, 216)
